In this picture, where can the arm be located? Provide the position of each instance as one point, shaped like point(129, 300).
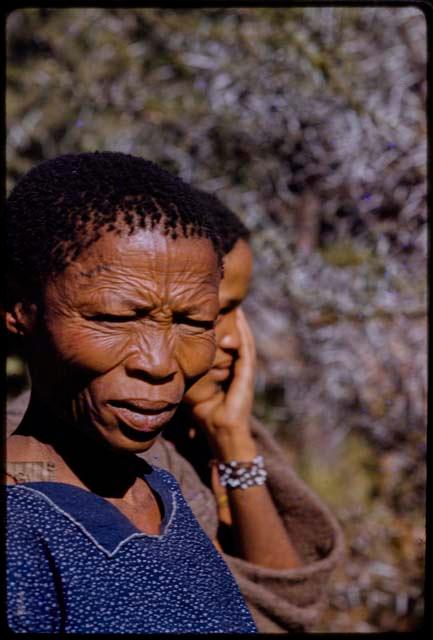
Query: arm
point(291, 599)
point(257, 530)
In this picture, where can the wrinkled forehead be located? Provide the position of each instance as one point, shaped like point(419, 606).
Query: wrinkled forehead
point(144, 260)
point(155, 251)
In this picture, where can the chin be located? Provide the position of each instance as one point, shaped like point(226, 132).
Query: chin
point(134, 443)
point(139, 447)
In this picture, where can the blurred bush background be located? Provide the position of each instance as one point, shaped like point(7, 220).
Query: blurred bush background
point(310, 123)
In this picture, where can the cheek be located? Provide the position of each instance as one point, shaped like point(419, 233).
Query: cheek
point(204, 389)
point(219, 329)
point(196, 354)
point(89, 350)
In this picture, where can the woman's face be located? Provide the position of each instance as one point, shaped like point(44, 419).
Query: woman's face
point(123, 330)
point(238, 265)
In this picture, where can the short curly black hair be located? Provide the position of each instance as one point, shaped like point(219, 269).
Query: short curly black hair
point(229, 227)
point(63, 205)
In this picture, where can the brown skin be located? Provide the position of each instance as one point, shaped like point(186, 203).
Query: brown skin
point(118, 336)
point(223, 412)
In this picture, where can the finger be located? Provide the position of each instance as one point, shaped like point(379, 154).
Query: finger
point(240, 394)
point(245, 363)
point(247, 337)
point(203, 411)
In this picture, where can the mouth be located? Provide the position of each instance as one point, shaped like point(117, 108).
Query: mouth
point(143, 415)
point(221, 371)
point(225, 364)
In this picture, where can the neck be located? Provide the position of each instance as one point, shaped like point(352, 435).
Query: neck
point(80, 458)
point(190, 441)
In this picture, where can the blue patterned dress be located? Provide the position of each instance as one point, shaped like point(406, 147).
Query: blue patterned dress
point(75, 563)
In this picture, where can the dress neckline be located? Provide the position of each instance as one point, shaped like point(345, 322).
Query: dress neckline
point(97, 517)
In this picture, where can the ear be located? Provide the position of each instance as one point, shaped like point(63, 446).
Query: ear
point(19, 312)
point(21, 318)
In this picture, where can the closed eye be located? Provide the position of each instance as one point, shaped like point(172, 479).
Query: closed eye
point(206, 325)
point(229, 307)
point(108, 317)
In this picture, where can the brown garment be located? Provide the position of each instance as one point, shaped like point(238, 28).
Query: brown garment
point(280, 600)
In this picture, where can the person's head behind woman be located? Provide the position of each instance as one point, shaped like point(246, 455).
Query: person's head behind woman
point(238, 265)
point(114, 273)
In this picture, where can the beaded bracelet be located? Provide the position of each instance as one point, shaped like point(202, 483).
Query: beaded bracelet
point(241, 474)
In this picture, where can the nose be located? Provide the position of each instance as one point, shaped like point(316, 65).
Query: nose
point(152, 357)
point(227, 332)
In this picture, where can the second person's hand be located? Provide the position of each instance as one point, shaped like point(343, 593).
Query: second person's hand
point(225, 417)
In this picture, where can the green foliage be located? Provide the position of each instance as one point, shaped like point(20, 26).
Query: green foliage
point(344, 254)
point(353, 480)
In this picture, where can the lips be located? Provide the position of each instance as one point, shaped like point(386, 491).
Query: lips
point(143, 406)
point(143, 415)
point(221, 371)
point(219, 374)
point(226, 364)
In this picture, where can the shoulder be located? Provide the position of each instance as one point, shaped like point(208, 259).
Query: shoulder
point(197, 495)
point(163, 454)
point(159, 455)
point(17, 447)
point(24, 462)
point(21, 495)
point(27, 510)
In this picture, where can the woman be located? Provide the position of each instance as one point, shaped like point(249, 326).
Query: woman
point(114, 288)
point(280, 541)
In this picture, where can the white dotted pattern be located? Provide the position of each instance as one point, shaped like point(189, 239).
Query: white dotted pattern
point(60, 579)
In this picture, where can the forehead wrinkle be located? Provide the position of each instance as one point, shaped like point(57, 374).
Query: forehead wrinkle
point(155, 271)
point(127, 273)
point(188, 274)
point(175, 282)
point(192, 297)
point(183, 295)
point(120, 286)
point(132, 298)
point(166, 261)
